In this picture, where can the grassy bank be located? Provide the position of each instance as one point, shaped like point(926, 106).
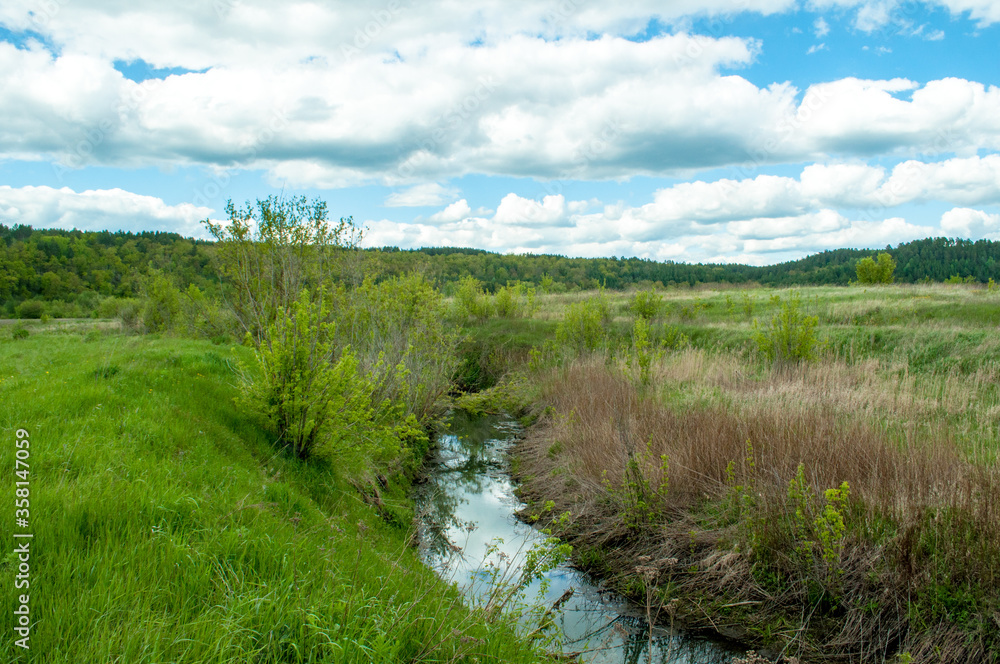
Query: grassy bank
point(839, 509)
point(168, 527)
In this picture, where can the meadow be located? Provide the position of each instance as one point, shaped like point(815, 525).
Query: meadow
point(812, 471)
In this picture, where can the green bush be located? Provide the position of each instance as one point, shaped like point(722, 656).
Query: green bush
point(791, 337)
point(399, 322)
point(161, 304)
point(583, 325)
point(471, 300)
point(315, 398)
point(30, 309)
point(646, 304)
point(872, 271)
point(19, 332)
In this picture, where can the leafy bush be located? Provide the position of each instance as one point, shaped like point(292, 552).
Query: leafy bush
point(791, 336)
point(19, 332)
point(30, 309)
point(646, 304)
point(582, 327)
point(399, 322)
point(471, 300)
point(315, 398)
point(515, 300)
point(161, 304)
point(273, 250)
point(870, 271)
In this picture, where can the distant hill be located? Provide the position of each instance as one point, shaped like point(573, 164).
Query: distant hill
point(60, 265)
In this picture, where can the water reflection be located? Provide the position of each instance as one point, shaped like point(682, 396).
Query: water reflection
point(468, 503)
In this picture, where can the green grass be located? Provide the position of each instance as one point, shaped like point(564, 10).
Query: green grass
point(168, 528)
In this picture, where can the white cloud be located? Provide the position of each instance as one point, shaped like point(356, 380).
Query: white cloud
point(815, 48)
point(455, 212)
point(968, 223)
point(821, 27)
point(101, 209)
point(873, 15)
point(591, 109)
point(428, 194)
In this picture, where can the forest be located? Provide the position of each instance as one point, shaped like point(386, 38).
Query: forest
point(68, 273)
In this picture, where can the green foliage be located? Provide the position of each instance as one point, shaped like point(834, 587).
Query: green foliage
point(644, 487)
point(800, 502)
point(748, 301)
point(317, 399)
point(583, 325)
point(19, 332)
point(272, 250)
point(30, 309)
point(646, 304)
point(642, 354)
point(791, 337)
point(161, 304)
point(872, 271)
point(472, 301)
point(831, 528)
point(398, 328)
point(167, 494)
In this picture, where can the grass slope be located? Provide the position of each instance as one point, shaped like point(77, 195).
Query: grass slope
point(168, 529)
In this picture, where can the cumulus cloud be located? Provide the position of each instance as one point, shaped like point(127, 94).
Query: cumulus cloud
point(591, 109)
point(455, 212)
point(100, 209)
point(969, 223)
point(821, 27)
point(428, 194)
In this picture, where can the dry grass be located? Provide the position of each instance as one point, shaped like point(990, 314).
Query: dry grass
point(919, 562)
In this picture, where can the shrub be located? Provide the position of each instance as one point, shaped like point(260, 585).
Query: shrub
point(872, 271)
point(19, 332)
point(399, 322)
point(646, 304)
point(515, 300)
point(30, 309)
point(791, 336)
point(273, 250)
point(472, 301)
point(582, 327)
point(316, 399)
point(161, 304)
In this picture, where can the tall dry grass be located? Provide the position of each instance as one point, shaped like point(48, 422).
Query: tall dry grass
point(917, 568)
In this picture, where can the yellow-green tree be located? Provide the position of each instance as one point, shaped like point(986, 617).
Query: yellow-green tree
point(880, 271)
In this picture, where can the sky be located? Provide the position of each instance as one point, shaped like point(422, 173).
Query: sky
point(750, 131)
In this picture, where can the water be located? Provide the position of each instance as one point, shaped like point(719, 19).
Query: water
point(468, 507)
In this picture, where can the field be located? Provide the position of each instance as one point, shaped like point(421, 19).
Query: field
point(811, 471)
point(838, 505)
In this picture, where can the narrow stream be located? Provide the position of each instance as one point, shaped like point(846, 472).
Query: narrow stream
point(468, 504)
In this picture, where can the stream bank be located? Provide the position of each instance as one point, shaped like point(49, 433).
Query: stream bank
point(469, 524)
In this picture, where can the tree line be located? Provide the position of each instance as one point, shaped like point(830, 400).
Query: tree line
point(74, 270)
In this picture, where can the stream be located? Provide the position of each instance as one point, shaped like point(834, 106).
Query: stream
point(467, 506)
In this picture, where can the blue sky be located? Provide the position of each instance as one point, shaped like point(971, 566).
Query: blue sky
point(754, 131)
